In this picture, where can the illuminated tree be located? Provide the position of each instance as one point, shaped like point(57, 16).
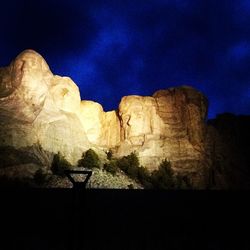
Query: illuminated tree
point(60, 164)
point(89, 160)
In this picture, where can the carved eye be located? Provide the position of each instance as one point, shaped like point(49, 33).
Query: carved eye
point(126, 119)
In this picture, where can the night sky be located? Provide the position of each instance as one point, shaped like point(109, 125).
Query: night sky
point(116, 48)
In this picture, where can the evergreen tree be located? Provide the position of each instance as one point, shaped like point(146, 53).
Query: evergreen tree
point(163, 178)
point(89, 160)
point(60, 164)
point(111, 167)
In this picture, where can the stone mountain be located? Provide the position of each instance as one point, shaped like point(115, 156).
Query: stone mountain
point(39, 108)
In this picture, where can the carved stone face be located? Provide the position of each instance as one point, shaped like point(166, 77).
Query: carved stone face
point(65, 94)
point(136, 117)
point(29, 66)
point(31, 75)
point(91, 115)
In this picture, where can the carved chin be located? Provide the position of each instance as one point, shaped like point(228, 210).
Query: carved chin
point(29, 77)
point(137, 140)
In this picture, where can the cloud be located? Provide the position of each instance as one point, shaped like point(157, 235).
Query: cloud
point(115, 48)
point(47, 26)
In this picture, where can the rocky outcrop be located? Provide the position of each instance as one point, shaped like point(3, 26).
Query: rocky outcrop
point(102, 128)
point(39, 108)
point(229, 151)
point(171, 125)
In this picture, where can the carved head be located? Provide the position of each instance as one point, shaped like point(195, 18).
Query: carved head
point(29, 65)
point(30, 74)
point(136, 113)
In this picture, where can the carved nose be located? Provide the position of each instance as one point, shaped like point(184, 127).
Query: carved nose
point(25, 67)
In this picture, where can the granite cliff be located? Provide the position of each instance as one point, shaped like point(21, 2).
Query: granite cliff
point(39, 110)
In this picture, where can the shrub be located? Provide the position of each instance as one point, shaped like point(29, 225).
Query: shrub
point(59, 164)
point(132, 172)
point(89, 160)
point(143, 174)
point(111, 167)
point(163, 178)
point(144, 177)
point(129, 164)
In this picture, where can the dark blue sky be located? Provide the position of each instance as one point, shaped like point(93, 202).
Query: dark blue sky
point(116, 48)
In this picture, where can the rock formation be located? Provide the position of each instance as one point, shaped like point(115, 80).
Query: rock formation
point(171, 125)
point(230, 151)
point(38, 108)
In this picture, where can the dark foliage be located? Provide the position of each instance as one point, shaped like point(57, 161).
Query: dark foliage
point(59, 164)
point(111, 167)
point(10, 156)
point(90, 160)
point(144, 177)
point(163, 178)
point(129, 164)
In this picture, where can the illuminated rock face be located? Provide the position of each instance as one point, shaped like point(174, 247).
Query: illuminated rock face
point(39, 107)
point(102, 128)
point(171, 124)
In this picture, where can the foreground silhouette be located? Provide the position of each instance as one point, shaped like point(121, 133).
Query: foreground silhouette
point(78, 184)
